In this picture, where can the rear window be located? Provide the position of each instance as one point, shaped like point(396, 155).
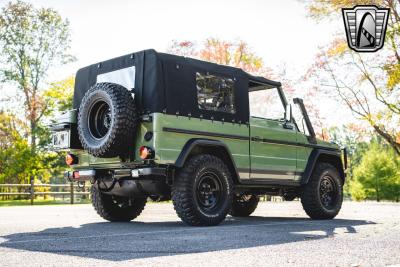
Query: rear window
point(215, 93)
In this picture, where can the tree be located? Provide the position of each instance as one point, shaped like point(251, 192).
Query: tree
point(31, 42)
point(368, 84)
point(18, 163)
point(236, 54)
point(15, 154)
point(58, 98)
point(17, 160)
point(377, 176)
point(356, 140)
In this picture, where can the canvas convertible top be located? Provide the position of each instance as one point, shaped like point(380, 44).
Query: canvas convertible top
point(167, 83)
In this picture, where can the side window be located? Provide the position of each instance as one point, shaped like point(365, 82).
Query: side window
point(266, 104)
point(215, 93)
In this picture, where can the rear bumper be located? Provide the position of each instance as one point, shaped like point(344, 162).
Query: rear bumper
point(139, 182)
point(133, 174)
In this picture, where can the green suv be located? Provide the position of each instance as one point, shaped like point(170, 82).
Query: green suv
point(212, 138)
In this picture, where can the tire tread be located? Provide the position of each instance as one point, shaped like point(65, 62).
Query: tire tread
point(182, 193)
point(310, 195)
point(109, 211)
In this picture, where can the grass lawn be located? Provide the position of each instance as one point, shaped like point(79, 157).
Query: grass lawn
point(39, 201)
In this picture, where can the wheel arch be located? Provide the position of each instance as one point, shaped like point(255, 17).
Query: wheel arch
point(208, 146)
point(322, 155)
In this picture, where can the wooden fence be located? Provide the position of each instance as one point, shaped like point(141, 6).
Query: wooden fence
point(30, 191)
point(72, 191)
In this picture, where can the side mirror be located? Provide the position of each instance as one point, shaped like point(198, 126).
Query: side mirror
point(288, 118)
point(288, 113)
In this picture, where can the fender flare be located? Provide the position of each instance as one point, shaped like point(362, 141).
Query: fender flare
point(315, 155)
point(196, 142)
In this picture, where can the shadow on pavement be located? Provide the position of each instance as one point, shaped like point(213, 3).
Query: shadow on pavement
point(126, 241)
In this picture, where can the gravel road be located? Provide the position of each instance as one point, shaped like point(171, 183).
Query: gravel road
point(364, 234)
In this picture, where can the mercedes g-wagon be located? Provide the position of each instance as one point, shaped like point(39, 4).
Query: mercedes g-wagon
point(212, 138)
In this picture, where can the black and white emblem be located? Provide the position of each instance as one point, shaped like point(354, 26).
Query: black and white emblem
point(365, 27)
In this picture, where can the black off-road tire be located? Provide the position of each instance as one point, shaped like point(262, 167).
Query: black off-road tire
point(244, 205)
point(116, 209)
point(312, 195)
point(119, 112)
point(190, 203)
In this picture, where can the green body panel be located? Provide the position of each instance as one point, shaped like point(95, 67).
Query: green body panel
point(303, 153)
point(168, 145)
point(254, 159)
point(269, 156)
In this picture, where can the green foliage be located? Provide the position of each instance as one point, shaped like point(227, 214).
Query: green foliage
point(374, 168)
point(377, 176)
point(346, 136)
point(17, 161)
point(31, 42)
point(59, 96)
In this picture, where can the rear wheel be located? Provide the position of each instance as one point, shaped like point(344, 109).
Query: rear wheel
point(244, 205)
point(322, 197)
point(202, 191)
point(116, 209)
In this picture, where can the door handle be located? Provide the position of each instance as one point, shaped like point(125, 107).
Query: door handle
point(256, 138)
point(288, 125)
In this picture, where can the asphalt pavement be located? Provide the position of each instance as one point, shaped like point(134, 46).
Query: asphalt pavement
point(278, 234)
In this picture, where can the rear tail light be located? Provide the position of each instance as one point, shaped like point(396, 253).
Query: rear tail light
point(146, 152)
point(71, 159)
point(76, 175)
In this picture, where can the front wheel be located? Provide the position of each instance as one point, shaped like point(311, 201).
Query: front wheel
point(116, 209)
point(322, 197)
point(202, 191)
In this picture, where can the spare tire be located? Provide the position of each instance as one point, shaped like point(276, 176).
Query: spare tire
point(107, 120)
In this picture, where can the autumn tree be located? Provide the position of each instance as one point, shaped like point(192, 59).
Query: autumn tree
point(367, 83)
point(237, 54)
point(32, 41)
point(17, 160)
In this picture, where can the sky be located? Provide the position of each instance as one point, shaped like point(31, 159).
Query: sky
point(278, 31)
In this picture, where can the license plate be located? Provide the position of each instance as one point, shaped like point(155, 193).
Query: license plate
point(61, 139)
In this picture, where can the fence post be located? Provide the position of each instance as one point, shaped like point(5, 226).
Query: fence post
point(32, 189)
point(72, 192)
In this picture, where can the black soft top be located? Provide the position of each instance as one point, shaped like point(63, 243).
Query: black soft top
point(166, 83)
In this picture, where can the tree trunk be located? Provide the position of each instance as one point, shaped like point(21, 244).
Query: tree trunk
point(377, 190)
point(33, 135)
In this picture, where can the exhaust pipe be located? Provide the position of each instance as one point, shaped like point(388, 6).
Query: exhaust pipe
point(79, 176)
